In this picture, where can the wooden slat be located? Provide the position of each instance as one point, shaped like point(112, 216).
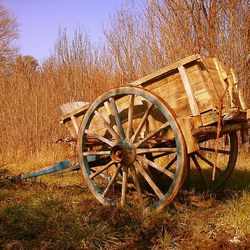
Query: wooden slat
point(223, 77)
point(191, 98)
point(248, 114)
point(209, 117)
point(186, 125)
point(76, 112)
point(161, 72)
point(69, 107)
point(74, 124)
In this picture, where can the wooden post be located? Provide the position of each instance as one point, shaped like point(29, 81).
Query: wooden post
point(73, 119)
point(187, 126)
point(241, 98)
point(191, 98)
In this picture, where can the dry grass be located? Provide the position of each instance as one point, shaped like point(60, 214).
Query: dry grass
point(58, 212)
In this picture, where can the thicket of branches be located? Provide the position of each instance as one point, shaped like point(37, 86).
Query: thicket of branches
point(137, 41)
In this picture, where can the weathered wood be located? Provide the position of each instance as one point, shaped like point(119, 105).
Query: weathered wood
point(187, 126)
point(167, 69)
point(155, 150)
point(124, 185)
point(242, 101)
point(248, 114)
point(74, 123)
point(76, 112)
point(69, 107)
point(193, 87)
point(209, 117)
point(149, 180)
point(130, 116)
point(170, 87)
point(227, 128)
point(137, 184)
point(190, 95)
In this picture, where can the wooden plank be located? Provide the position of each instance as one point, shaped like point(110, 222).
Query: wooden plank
point(209, 117)
point(209, 85)
point(68, 107)
point(167, 93)
point(187, 125)
point(71, 128)
point(76, 112)
point(221, 91)
point(242, 101)
point(167, 88)
point(191, 98)
point(204, 101)
point(235, 90)
point(248, 114)
point(159, 73)
point(223, 77)
point(209, 63)
point(74, 124)
point(240, 95)
point(170, 78)
point(219, 77)
point(234, 100)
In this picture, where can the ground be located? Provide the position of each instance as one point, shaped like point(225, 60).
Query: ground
point(58, 212)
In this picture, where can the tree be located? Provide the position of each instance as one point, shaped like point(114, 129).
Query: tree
point(8, 33)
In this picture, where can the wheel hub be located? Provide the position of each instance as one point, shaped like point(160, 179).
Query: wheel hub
point(123, 152)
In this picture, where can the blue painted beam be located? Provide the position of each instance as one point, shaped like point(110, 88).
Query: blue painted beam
point(58, 167)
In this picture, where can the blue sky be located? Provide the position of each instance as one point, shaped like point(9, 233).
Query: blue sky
point(39, 21)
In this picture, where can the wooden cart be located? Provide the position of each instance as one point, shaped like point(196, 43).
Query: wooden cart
point(137, 143)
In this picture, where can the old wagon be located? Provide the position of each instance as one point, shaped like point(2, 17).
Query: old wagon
point(137, 143)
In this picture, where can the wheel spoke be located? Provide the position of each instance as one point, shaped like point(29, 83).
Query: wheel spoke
point(149, 180)
point(199, 170)
point(92, 176)
point(171, 162)
point(130, 116)
point(112, 180)
point(154, 150)
point(137, 184)
point(108, 110)
point(96, 153)
point(152, 134)
point(108, 126)
point(117, 117)
point(161, 155)
point(207, 161)
point(226, 152)
point(101, 138)
point(154, 165)
point(144, 118)
point(124, 184)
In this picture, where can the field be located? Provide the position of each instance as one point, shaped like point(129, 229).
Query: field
point(58, 212)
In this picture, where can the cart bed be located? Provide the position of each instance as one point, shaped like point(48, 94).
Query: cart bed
point(193, 87)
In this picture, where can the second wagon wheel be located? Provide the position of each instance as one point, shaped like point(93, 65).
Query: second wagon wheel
point(203, 161)
point(129, 139)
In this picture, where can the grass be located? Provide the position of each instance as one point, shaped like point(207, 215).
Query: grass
point(58, 212)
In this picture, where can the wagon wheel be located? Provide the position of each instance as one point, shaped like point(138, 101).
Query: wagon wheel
point(203, 161)
point(121, 120)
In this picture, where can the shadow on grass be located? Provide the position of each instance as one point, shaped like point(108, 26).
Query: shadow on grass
point(238, 181)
